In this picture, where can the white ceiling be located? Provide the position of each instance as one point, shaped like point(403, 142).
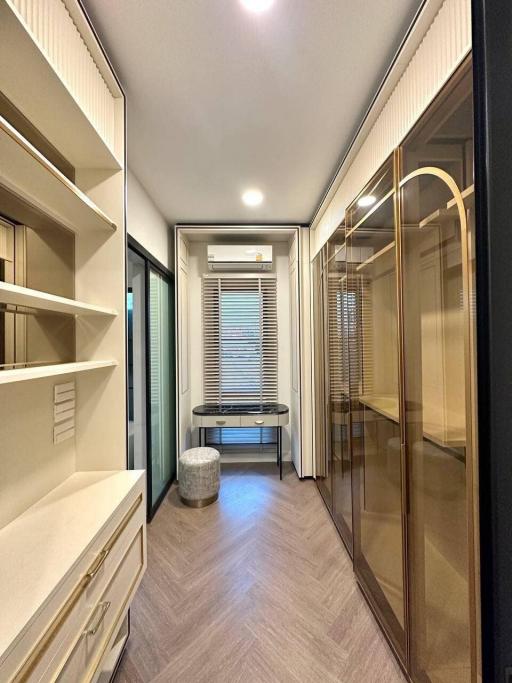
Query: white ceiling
point(220, 100)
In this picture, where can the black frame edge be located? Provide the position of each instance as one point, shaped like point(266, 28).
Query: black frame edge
point(492, 60)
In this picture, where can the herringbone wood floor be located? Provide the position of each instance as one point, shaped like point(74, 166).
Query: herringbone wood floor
point(255, 588)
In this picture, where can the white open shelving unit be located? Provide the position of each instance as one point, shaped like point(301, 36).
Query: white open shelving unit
point(62, 93)
point(15, 295)
point(56, 370)
point(56, 499)
point(29, 175)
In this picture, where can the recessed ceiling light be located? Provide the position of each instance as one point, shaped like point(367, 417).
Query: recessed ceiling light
point(366, 200)
point(257, 5)
point(252, 197)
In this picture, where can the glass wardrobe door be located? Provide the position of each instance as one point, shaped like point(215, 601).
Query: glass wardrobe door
point(438, 438)
point(322, 450)
point(339, 415)
point(377, 490)
point(161, 390)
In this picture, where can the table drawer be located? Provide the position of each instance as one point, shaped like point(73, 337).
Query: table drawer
point(259, 420)
point(220, 421)
point(106, 616)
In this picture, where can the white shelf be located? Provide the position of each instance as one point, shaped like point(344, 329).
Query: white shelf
point(28, 80)
point(25, 172)
point(451, 210)
point(23, 296)
point(377, 255)
point(384, 405)
point(40, 548)
point(23, 374)
point(444, 435)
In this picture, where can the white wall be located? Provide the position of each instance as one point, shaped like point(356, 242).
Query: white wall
point(145, 223)
point(197, 265)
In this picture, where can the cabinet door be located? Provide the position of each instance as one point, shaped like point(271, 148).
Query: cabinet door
point(339, 308)
point(437, 423)
point(323, 472)
point(376, 444)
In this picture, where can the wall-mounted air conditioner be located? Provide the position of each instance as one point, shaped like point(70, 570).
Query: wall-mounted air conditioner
point(241, 257)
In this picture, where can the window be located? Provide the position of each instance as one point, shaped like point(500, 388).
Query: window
point(240, 348)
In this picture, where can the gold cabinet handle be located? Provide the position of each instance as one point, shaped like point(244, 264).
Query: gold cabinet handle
point(221, 422)
point(96, 566)
point(102, 609)
point(259, 422)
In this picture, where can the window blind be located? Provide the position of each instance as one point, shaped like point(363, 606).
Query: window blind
point(240, 339)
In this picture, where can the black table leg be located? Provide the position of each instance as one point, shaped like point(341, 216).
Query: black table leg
point(280, 441)
point(277, 446)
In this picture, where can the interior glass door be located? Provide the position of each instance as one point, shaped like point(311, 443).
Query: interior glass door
point(376, 443)
point(161, 385)
point(136, 329)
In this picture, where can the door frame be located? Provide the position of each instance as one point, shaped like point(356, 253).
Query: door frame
point(150, 262)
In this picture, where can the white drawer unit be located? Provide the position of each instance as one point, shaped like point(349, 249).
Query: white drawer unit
point(106, 614)
point(61, 629)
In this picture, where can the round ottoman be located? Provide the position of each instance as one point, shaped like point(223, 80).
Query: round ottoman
point(199, 476)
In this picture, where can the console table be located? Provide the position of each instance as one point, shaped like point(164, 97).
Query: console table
point(239, 415)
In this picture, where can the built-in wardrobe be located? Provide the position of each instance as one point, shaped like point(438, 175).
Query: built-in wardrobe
point(395, 442)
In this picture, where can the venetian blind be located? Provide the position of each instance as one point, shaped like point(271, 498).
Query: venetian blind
point(240, 339)
point(343, 335)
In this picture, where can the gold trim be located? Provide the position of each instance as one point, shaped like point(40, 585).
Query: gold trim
point(199, 503)
point(35, 655)
point(404, 474)
point(50, 168)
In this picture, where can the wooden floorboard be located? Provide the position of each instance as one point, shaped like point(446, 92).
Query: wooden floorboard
point(254, 588)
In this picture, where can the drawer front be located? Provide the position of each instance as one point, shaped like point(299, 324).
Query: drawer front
point(260, 420)
point(60, 631)
point(284, 419)
point(106, 616)
point(220, 421)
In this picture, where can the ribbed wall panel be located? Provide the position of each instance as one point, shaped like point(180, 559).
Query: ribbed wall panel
point(52, 28)
point(446, 43)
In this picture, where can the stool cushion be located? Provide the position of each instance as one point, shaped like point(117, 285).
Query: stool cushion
point(199, 474)
point(199, 456)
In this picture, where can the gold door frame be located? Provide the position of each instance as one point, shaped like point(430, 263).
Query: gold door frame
point(469, 408)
